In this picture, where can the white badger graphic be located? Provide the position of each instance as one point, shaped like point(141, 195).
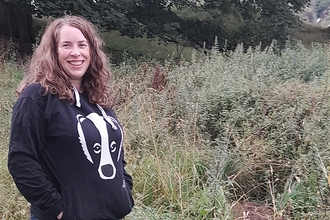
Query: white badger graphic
point(103, 148)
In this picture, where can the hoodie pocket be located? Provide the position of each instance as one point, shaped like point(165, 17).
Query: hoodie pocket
point(128, 194)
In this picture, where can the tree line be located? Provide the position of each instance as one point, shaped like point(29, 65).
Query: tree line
point(192, 23)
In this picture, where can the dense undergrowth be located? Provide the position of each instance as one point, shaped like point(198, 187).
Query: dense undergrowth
point(203, 135)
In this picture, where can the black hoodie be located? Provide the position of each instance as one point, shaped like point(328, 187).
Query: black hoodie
point(68, 157)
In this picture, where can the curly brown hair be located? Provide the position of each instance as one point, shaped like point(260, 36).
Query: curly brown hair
point(45, 69)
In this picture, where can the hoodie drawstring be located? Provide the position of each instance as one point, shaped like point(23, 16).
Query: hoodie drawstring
point(77, 96)
point(105, 116)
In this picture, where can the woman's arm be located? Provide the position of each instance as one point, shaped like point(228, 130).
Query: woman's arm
point(26, 142)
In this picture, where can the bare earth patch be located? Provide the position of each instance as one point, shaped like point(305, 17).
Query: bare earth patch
point(252, 211)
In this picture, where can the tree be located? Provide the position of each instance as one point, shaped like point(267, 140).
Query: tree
point(16, 23)
point(260, 21)
point(278, 18)
point(184, 22)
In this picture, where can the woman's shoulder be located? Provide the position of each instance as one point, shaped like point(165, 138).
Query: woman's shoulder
point(33, 90)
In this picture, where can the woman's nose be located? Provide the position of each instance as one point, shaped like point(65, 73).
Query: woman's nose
point(75, 51)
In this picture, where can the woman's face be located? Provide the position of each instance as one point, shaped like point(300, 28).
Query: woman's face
point(73, 54)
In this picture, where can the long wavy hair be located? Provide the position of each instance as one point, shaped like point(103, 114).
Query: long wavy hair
point(44, 67)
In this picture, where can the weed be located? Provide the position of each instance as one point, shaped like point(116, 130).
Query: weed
point(206, 135)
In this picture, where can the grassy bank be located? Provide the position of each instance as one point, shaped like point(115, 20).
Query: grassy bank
point(206, 135)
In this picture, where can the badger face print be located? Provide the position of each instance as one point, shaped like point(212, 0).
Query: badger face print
point(98, 145)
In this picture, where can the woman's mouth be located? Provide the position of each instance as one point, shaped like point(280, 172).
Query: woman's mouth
point(76, 63)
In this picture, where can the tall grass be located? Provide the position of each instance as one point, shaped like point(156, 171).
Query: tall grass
point(12, 205)
point(207, 134)
point(257, 117)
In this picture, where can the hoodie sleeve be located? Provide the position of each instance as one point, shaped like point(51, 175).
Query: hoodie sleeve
point(27, 139)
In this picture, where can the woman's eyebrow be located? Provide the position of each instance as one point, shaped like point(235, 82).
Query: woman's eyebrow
point(69, 41)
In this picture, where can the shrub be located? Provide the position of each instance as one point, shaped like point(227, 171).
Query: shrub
point(204, 135)
point(260, 115)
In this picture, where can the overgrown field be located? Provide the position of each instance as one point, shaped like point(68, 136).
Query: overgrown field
point(206, 135)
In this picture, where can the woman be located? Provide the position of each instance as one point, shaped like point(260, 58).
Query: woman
point(65, 153)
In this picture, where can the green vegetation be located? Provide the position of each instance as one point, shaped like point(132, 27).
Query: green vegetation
point(206, 134)
point(183, 22)
point(311, 33)
point(122, 47)
point(12, 205)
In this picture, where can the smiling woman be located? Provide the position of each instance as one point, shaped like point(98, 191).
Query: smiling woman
point(66, 145)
